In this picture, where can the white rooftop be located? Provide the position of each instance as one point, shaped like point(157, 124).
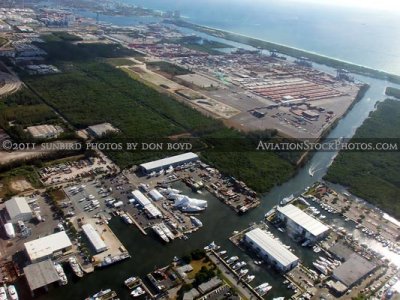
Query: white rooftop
point(156, 195)
point(302, 219)
point(94, 238)
point(273, 247)
point(47, 245)
point(16, 206)
point(166, 162)
point(139, 197)
point(153, 211)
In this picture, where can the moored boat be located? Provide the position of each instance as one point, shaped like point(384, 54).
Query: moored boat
point(196, 221)
point(137, 292)
point(131, 281)
point(12, 292)
point(75, 266)
point(160, 233)
point(3, 295)
point(232, 259)
point(249, 278)
point(61, 274)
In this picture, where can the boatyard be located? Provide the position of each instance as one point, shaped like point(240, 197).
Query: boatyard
point(335, 252)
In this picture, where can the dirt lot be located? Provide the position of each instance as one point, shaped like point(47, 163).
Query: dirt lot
point(20, 185)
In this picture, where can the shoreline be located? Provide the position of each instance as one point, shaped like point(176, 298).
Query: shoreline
point(289, 51)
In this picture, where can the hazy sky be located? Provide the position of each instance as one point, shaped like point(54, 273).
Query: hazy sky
point(372, 4)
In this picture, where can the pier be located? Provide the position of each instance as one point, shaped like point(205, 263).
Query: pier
point(245, 289)
point(136, 223)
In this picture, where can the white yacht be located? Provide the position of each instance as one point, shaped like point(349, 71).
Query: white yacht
point(232, 259)
point(3, 295)
point(12, 292)
point(160, 233)
point(196, 221)
point(61, 274)
point(75, 266)
point(138, 292)
point(249, 278)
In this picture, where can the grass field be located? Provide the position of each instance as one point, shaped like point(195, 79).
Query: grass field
point(117, 62)
point(168, 68)
point(373, 176)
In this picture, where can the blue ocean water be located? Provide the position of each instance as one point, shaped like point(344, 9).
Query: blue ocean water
point(359, 35)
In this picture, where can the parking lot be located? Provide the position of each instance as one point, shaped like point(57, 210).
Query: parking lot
point(35, 228)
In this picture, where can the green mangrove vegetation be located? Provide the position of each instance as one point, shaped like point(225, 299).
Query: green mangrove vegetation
point(373, 175)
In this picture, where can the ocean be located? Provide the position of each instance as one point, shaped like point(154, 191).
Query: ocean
point(359, 35)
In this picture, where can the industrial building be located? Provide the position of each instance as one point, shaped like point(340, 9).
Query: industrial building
point(300, 224)
point(48, 246)
point(353, 270)
point(156, 195)
point(271, 250)
point(44, 131)
point(164, 163)
point(145, 203)
point(40, 275)
point(18, 209)
point(99, 130)
point(94, 238)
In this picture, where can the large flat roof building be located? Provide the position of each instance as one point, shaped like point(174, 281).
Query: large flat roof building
point(140, 198)
point(44, 131)
point(40, 275)
point(271, 250)
point(46, 247)
point(99, 130)
point(173, 161)
point(18, 209)
point(94, 238)
point(151, 210)
point(355, 269)
point(302, 224)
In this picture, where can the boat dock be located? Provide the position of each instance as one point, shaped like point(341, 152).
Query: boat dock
point(104, 295)
point(245, 289)
point(136, 223)
point(133, 284)
point(140, 283)
point(110, 296)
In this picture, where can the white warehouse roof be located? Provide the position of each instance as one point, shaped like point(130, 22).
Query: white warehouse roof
point(153, 211)
point(173, 160)
point(94, 238)
point(47, 245)
point(139, 197)
point(17, 206)
point(303, 220)
point(274, 248)
point(155, 195)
